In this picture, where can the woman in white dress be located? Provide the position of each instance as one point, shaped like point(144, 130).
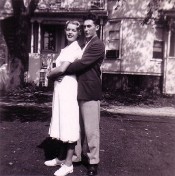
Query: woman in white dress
point(64, 124)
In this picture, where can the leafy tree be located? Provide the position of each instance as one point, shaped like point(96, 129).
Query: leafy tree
point(154, 7)
point(16, 33)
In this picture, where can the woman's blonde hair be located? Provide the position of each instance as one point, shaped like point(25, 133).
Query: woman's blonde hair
point(77, 23)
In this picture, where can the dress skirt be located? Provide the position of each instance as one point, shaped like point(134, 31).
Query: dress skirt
point(64, 124)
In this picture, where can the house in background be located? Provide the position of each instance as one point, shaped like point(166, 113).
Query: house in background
point(138, 56)
point(47, 31)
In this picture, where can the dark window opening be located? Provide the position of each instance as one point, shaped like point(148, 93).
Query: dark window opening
point(112, 54)
point(49, 39)
point(35, 31)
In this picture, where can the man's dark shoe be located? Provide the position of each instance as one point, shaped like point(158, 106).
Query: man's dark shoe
point(92, 169)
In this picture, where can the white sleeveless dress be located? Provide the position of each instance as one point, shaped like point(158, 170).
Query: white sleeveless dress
point(64, 124)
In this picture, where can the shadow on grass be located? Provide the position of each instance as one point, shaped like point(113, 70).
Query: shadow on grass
point(25, 113)
point(53, 148)
point(27, 105)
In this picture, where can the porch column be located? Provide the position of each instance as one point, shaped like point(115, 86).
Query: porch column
point(105, 4)
point(39, 37)
point(167, 49)
point(32, 37)
point(101, 29)
point(169, 65)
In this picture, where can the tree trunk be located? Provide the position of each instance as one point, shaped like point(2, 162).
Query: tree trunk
point(16, 31)
point(16, 34)
point(16, 73)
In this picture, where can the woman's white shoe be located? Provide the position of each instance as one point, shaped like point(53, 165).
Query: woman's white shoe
point(53, 162)
point(64, 170)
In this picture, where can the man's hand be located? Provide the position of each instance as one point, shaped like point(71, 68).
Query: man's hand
point(59, 78)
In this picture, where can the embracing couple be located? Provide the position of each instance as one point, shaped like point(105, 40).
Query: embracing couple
point(76, 98)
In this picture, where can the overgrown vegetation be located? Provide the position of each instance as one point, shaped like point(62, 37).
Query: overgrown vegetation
point(36, 95)
point(29, 93)
point(138, 99)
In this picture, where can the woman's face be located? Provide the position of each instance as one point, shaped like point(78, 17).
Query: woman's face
point(71, 32)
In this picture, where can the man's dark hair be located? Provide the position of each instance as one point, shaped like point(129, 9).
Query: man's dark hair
point(92, 17)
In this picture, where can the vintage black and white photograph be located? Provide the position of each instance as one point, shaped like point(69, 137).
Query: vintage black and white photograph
point(87, 87)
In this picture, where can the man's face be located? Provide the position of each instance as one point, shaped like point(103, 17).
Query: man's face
point(90, 29)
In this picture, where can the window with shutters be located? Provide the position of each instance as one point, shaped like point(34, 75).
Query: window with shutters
point(113, 50)
point(158, 44)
